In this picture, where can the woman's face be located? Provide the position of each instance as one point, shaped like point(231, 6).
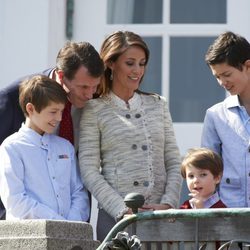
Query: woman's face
point(128, 70)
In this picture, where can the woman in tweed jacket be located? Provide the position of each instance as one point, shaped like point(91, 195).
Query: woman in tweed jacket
point(127, 142)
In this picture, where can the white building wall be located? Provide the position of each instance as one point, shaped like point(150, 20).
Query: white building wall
point(31, 33)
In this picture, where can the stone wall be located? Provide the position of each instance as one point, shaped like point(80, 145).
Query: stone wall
point(46, 234)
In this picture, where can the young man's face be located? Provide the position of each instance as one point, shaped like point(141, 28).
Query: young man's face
point(201, 182)
point(47, 120)
point(81, 88)
point(236, 82)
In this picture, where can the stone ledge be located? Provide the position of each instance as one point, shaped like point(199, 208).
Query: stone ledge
point(46, 234)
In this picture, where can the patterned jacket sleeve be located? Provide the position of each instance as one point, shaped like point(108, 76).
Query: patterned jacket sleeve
point(89, 161)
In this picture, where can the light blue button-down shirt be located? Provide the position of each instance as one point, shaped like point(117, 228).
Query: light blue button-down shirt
point(226, 131)
point(39, 178)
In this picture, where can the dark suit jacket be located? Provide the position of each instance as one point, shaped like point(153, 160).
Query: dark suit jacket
point(11, 115)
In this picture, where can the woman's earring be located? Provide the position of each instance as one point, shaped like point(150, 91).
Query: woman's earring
point(111, 76)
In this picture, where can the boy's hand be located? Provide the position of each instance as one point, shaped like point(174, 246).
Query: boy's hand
point(197, 201)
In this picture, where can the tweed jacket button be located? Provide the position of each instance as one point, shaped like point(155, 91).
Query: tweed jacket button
point(144, 147)
point(137, 115)
point(136, 183)
point(145, 183)
point(134, 146)
point(128, 116)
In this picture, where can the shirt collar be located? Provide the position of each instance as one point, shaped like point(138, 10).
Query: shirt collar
point(212, 200)
point(33, 136)
point(232, 101)
point(134, 103)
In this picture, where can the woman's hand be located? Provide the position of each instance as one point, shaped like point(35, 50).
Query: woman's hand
point(152, 207)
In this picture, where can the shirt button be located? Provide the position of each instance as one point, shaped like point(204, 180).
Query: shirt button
point(228, 181)
point(53, 177)
point(144, 147)
point(137, 115)
point(134, 146)
point(128, 116)
point(136, 183)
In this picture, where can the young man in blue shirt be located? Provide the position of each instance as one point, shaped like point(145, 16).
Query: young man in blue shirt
point(226, 126)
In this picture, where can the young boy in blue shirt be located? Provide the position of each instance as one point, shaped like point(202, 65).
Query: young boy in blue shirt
point(38, 173)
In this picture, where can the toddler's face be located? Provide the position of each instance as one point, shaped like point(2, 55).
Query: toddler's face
point(201, 182)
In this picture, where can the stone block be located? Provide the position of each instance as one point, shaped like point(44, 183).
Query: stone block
point(46, 234)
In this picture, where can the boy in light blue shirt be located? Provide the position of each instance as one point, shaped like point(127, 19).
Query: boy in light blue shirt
point(38, 173)
point(226, 126)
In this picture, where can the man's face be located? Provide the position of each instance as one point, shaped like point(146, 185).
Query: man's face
point(235, 81)
point(81, 88)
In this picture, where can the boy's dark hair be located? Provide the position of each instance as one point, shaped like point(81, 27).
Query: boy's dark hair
point(202, 158)
point(40, 91)
point(228, 48)
point(74, 55)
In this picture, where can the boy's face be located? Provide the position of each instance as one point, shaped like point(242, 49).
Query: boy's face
point(201, 182)
point(47, 120)
point(236, 82)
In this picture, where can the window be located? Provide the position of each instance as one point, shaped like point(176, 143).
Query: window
point(152, 79)
point(198, 11)
point(192, 86)
point(134, 11)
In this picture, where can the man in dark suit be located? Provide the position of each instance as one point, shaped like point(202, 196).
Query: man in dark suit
point(78, 69)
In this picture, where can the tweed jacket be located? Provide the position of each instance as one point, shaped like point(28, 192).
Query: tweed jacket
point(129, 148)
